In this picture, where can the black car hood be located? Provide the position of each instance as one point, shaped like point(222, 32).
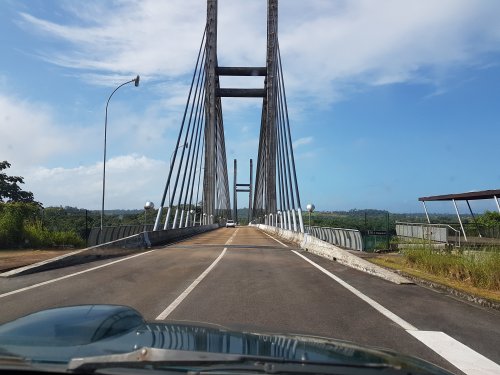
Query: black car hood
point(58, 335)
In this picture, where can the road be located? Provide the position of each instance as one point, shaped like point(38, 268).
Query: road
point(244, 279)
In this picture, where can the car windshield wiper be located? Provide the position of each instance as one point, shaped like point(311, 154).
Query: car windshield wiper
point(215, 361)
point(10, 360)
point(140, 357)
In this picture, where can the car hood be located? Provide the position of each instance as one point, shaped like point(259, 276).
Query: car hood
point(58, 335)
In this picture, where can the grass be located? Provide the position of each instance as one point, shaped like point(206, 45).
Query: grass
point(479, 269)
point(473, 273)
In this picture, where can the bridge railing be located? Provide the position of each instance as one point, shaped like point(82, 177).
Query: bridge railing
point(114, 233)
point(437, 233)
point(346, 238)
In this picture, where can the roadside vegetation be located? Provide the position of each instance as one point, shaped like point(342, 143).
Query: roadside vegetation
point(477, 268)
point(21, 222)
point(470, 271)
point(21, 227)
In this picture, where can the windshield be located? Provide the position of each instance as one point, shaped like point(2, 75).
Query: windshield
point(291, 170)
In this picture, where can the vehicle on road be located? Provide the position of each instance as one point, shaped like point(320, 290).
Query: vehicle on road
point(113, 339)
point(230, 224)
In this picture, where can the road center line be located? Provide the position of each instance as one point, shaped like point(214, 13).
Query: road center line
point(458, 354)
point(189, 289)
point(232, 237)
point(275, 239)
point(72, 275)
point(193, 285)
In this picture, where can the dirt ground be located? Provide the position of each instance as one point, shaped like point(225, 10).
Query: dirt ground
point(10, 259)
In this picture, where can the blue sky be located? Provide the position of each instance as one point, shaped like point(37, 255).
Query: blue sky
point(389, 100)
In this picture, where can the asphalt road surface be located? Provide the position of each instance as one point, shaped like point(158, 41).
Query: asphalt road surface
point(244, 279)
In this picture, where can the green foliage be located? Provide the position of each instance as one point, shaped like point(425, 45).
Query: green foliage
point(37, 236)
point(21, 225)
point(13, 217)
point(480, 269)
point(489, 219)
point(10, 191)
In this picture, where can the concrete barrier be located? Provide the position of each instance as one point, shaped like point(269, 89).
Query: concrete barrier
point(125, 246)
point(326, 250)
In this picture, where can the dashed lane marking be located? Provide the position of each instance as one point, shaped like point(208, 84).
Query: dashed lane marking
point(193, 285)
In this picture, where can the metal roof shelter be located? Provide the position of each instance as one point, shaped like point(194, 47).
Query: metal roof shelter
point(469, 196)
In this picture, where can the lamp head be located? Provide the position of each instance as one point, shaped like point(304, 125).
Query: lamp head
point(310, 207)
point(136, 81)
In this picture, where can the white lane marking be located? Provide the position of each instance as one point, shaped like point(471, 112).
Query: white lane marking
point(377, 306)
point(189, 289)
point(88, 270)
point(71, 275)
point(458, 354)
point(275, 239)
point(232, 237)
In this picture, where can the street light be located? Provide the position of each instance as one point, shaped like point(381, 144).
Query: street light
point(147, 206)
point(193, 222)
point(310, 208)
point(136, 83)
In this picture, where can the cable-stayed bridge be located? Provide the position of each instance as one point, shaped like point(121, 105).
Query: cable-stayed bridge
point(198, 168)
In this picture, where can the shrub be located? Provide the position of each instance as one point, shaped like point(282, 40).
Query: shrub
point(37, 236)
point(13, 216)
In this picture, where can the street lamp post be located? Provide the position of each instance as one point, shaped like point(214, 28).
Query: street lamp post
point(193, 218)
point(147, 206)
point(310, 208)
point(136, 83)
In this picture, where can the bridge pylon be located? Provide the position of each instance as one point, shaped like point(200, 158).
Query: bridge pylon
point(276, 198)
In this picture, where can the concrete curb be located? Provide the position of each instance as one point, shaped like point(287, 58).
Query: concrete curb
point(332, 252)
point(128, 245)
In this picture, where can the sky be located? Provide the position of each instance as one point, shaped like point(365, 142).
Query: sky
point(389, 100)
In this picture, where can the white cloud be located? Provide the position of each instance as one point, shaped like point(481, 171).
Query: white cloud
point(131, 180)
point(157, 39)
point(373, 43)
point(30, 133)
point(328, 48)
point(302, 141)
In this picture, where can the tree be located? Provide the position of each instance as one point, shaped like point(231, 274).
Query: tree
point(489, 219)
point(10, 191)
point(13, 217)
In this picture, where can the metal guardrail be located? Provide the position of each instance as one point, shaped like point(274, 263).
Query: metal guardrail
point(441, 233)
point(346, 238)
